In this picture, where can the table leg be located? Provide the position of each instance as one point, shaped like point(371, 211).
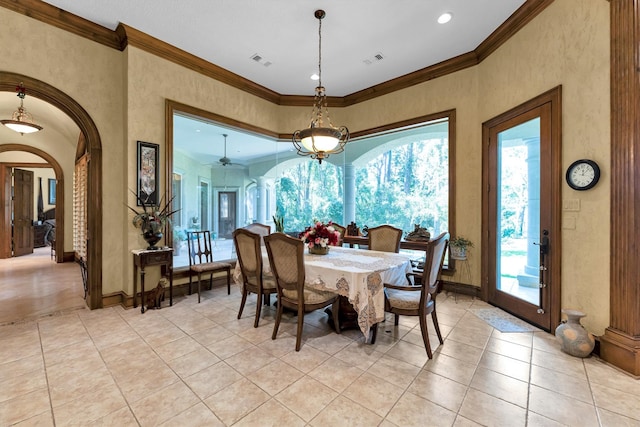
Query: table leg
point(142, 290)
point(170, 285)
point(135, 285)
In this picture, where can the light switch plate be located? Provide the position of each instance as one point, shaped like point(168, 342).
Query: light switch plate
point(572, 205)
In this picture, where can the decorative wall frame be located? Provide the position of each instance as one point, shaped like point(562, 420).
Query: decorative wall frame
point(52, 191)
point(148, 173)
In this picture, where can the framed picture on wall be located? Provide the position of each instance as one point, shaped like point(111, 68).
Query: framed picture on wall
point(52, 191)
point(148, 159)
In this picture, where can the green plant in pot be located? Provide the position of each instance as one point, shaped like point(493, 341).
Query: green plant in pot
point(278, 221)
point(458, 247)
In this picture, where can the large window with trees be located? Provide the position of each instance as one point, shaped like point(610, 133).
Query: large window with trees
point(398, 174)
point(402, 178)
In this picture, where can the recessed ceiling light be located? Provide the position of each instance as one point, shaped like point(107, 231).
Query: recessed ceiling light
point(445, 17)
point(314, 77)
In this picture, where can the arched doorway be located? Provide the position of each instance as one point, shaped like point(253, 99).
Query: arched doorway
point(59, 244)
point(41, 90)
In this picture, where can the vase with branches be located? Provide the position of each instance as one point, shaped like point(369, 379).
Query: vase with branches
point(152, 220)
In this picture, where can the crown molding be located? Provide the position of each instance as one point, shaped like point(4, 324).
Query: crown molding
point(59, 18)
point(125, 35)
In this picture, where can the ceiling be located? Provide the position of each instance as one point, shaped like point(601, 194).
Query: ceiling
point(404, 33)
point(228, 33)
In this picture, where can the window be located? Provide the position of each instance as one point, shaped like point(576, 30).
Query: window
point(400, 174)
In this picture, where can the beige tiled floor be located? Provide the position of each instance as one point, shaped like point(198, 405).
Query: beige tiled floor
point(196, 364)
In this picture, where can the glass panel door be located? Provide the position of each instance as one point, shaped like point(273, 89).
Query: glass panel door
point(518, 219)
point(521, 213)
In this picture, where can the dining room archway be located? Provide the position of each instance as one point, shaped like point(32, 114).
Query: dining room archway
point(59, 99)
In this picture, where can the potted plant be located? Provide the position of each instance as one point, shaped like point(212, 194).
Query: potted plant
point(278, 220)
point(152, 220)
point(458, 247)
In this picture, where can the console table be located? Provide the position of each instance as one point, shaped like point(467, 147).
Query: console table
point(143, 258)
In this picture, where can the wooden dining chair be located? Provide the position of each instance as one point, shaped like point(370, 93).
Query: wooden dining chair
point(260, 229)
point(253, 278)
point(385, 238)
point(340, 229)
point(201, 259)
point(420, 300)
point(287, 263)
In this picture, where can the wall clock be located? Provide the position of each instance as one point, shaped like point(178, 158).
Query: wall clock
point(583, 174)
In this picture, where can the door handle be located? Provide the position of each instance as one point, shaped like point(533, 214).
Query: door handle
point(544, 243)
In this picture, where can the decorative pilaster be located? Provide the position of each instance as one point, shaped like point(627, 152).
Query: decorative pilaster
point(349, 194)
point(620, 345)
point(261, 187)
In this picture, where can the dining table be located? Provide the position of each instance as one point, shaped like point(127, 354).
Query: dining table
point(358, 275)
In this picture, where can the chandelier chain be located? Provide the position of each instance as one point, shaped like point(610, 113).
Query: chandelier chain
point(320, 52)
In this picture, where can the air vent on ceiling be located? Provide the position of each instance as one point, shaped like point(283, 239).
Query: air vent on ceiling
point(373, 59)
point(260, 60)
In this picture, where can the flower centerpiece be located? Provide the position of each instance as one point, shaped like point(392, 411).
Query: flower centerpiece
point(319, 237)
point(152, 220)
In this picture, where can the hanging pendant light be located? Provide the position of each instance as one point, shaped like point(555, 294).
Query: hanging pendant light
point(21, 121)
point(321, 138)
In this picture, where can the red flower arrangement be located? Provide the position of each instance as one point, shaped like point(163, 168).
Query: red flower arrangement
point(320, 235)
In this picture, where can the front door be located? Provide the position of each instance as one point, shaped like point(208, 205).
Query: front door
point(521, 255)
point(226, 214)
point(22, 212)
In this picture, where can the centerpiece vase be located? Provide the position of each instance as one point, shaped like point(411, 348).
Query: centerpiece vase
point(152, 238)
point(319, 250)
point(573, 337)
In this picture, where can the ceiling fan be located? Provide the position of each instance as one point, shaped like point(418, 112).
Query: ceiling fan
point(225, 161)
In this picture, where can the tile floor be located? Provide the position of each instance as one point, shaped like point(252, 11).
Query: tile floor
point(196, 364)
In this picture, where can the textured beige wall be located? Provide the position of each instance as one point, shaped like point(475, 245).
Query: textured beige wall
point(91, 75)
point(568, 45)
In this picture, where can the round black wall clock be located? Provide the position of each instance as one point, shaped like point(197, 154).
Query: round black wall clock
point(583, 174)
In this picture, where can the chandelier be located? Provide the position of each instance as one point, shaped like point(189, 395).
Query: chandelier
point(321, 138)
point(21, 121)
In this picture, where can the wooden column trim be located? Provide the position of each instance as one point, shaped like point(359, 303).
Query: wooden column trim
point(620, 345)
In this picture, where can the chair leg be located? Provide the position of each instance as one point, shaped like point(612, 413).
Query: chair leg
point(211, 280)
point(258, 308)
point(199, 285)
point(190, 281)
point(335, 308)
point(277, 324)
point(425, 335)
point(245, 292)
point(228, 281)
point(434, 317)
point(397, 319)
point(374, 333)
point(300, 325)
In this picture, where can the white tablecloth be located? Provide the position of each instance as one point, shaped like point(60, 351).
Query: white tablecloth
point(356, 274)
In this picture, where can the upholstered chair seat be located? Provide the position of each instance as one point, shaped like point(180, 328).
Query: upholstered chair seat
point(311, 296)
point(405, 299)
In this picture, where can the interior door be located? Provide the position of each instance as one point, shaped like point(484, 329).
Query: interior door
point(226, 214)
point(521, 255)
point(22, 212)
